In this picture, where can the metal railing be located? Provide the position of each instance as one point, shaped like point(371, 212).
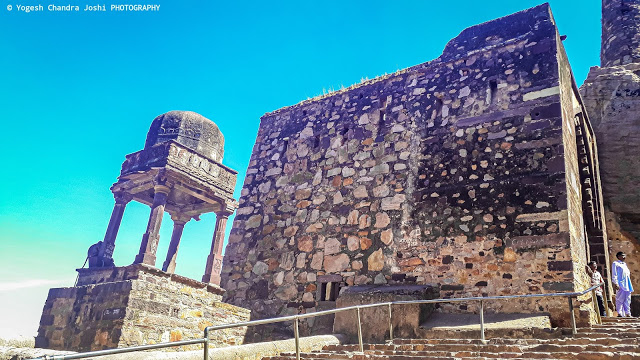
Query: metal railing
point(296, 320)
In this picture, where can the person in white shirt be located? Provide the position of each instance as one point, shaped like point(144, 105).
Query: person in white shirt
point(596, 278)
point(621, 279)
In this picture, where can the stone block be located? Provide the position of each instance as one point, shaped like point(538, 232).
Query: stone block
point(375, 321)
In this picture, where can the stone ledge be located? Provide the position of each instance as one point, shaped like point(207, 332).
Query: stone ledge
point(18, 341)
point(241, 352)
point(131, 272)
point(230, 307)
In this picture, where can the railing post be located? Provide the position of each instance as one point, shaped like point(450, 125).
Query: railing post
point(573, 318)
point(482, 320)
point(297, 335)
point(359, 329)
point(390, 324)
point(206, 343)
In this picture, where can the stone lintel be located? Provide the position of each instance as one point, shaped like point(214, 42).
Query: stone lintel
point(138, 185)
point(524, 243)
point(542, 216)
point(490, 117)
point(192, 211)
point(541, 93)
point(210, 199)
point(428, 291)
point(207, 195)
point(329, 278)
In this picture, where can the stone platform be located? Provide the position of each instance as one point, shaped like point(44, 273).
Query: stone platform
point(135, 305)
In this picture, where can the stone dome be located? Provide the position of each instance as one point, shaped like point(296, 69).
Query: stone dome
point(188, 129)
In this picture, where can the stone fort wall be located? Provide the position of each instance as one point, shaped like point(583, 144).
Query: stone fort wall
point(461, 172)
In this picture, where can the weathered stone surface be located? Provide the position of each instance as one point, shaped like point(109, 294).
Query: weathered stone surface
point(392, 203)
point(375, 262)
point(510, 255)
point(611, 98)
point(317, 260)
point(253, 222)
point(406, 318)
point(286, 292)
point(305, 243)
point(332, 246)
point(336, 263)
point(182, 127)
point(353, 243)
point(260, 268)
point(382, 220)
point(365, 243)
point(620, 43)
point(387, 237)
point(360, 192)
point(463, 172)
point(136, 305)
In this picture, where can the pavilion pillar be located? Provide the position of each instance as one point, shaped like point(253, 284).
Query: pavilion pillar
point(214, 260)
point(149, 245)
point(178, 226)
point(108, 245)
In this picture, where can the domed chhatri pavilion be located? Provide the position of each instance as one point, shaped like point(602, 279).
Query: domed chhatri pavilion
point(179, 171)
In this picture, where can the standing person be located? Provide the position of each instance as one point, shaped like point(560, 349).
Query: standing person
point(621, 279)
point(596, 278)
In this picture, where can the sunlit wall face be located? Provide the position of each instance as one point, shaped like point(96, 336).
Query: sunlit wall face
point(78, 90)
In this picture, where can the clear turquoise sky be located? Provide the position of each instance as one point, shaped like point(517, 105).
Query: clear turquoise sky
point(79, 90)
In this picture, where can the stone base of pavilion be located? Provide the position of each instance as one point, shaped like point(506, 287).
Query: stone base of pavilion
point(135, 305)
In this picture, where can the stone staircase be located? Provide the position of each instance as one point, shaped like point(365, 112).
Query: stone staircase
point(616, 338)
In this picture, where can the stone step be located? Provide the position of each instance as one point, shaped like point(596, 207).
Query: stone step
point(610, 330)
point(614, 339)
point(459, 355)
point(621, 320)
point(580, 355)
point(562, 341)
point(500, 348)
point(619, 324)
point(597, 336)
point(365, 356)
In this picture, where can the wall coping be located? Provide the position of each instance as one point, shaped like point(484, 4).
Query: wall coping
point(131, 272)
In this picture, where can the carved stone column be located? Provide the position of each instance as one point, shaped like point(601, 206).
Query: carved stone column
point(105, 253)
point(149, 245)
point(214, 260)
point(178, 226)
